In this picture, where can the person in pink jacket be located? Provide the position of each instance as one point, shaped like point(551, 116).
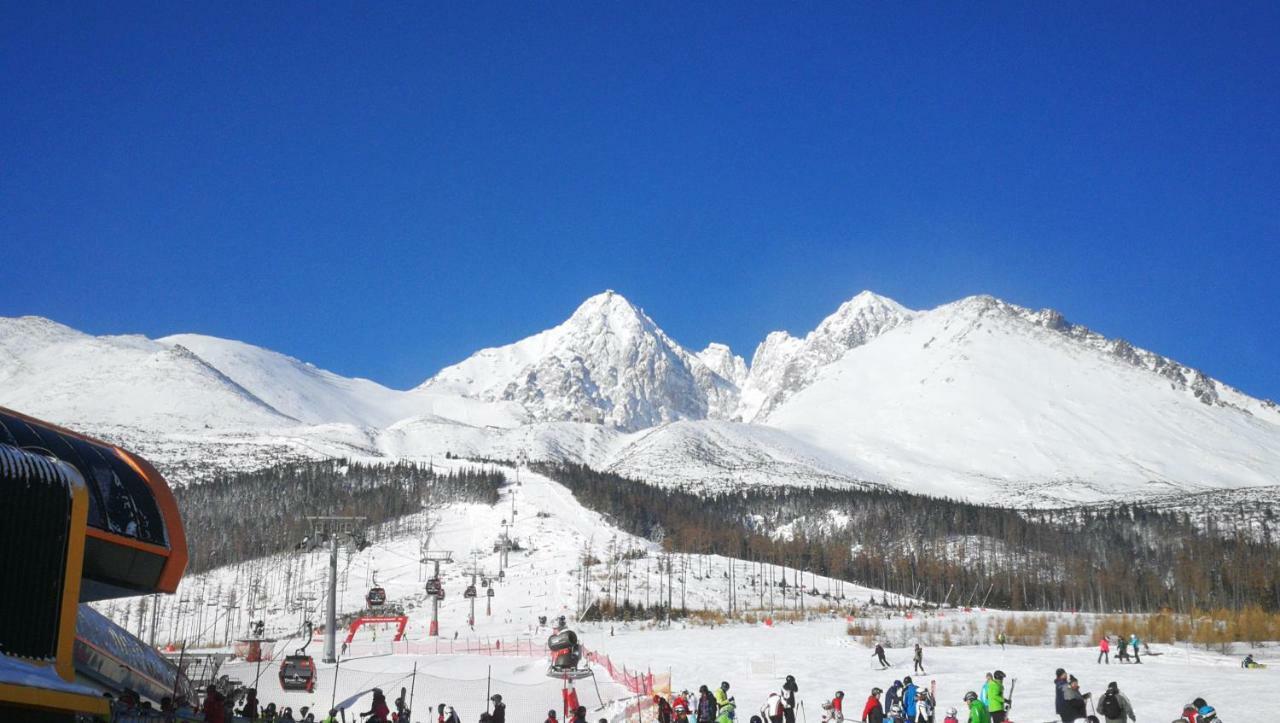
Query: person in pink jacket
point(1104, 650)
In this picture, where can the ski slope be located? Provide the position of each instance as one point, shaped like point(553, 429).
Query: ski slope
point(543, 580)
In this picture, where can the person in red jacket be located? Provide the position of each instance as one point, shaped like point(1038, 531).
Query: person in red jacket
point(873, 712)
point(379, 711)
point(837, 703)
point(214, 706)
point(1104, 650)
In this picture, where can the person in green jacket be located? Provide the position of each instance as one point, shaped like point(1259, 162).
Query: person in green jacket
point(993, 694)
point(725, 714)
point(977, 711)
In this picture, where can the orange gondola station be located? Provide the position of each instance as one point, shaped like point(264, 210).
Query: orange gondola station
point(82, 521)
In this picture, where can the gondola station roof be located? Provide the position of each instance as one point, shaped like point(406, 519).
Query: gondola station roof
point(80, 520)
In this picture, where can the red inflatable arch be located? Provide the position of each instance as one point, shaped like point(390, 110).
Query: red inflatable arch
point(400, 620)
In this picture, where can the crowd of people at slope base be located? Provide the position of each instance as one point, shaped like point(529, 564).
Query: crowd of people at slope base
point(903, 702)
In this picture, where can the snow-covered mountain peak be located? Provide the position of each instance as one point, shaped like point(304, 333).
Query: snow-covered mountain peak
point(721, 360)
point(607, 363)
point(784, 365)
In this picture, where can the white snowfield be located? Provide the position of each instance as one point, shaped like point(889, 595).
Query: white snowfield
point(977, 399)
point(542, 580)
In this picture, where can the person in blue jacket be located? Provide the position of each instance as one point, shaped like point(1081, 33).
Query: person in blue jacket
point(909, 692)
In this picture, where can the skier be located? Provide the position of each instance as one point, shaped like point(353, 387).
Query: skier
point(872, 712)
point(893, 695)
point(951, 716)
point(250, 710)
point(924, 706)
point(994, 698)
point(1073, 701)
point(499, 714)
point(977, 711)
point(1114, 705)
point(665, 712)
point(909, 697)
point(1104, 650)
point(1248, 662)
point(837, 704)
point(551, 717)
point(1059, 693)
point(918, 659)
point(772, 709)
point(1134, 643)
point(879, 654)
point(789, 690)
point(706, 705)
point(579, 713)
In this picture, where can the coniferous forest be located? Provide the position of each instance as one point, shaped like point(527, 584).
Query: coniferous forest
point(238, 516)
point(1124, 558)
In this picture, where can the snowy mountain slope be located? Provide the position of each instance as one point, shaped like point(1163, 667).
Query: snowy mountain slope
point(608, 363)
point(298, 389)
point(783, 365)
point(120, 381)
point(722, 456)
point(986, 400)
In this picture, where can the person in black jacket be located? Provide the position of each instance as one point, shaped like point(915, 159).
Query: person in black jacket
point(499, 714)
point(789, 690)
point(1059, 687)
point(706, 705)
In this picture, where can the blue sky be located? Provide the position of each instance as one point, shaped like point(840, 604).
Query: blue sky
point(383, 189)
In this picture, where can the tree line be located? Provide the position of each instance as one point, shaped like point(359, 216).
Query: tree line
point(1127, 557)
point(237, 516)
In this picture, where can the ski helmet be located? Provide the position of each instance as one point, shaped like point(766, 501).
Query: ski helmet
point(839, 693)
point(970, 697)
point(724, 685)
point(496, 698)
point(998, 675)
point(906, 680)
point(876, 692)
point(951, 712)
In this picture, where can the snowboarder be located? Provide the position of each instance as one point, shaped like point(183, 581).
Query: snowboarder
point(994, 697)
point(872, 712)
point(879, 655)
point(1104, 650)
point(977, 711)
point(919, 660)
point(789, 690)
point(379, 711)
point(1114, 705)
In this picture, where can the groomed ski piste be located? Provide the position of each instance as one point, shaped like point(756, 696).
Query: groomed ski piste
point(505, 652)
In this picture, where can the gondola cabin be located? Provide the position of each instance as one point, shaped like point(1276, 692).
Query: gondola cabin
point(376, 598)
point(470, 592)
point(298, 672)
point(435, 589)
